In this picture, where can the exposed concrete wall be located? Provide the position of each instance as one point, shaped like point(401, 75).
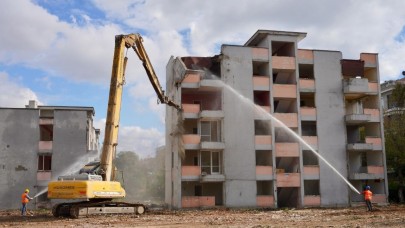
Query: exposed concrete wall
point(19, 136)
point(330, 109)
point(239, 154)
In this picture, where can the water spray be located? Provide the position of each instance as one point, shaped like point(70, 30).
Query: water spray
point(295, 135)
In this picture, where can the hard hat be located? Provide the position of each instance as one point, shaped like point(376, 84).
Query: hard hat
point(368, 187)
point(27, 190)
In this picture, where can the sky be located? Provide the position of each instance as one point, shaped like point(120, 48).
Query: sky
point(59, 52)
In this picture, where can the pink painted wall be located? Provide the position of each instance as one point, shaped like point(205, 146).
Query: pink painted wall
point(373, 140)
point(265, 201)
point(263, 139)
point(44, 176)
point(191, 78)
point(305, 54)
point(369, 58)
point(45, 145)
point(284, 91)
point(191, 139)
point(197, 201)
point(311, 140)
point(260, 53)
point(190, 170)
point(261, 80)
point(311, 169)
point(209, 101)
point(283, 62)
point(372, 112)
point(312, 200)
point(373, 86)
point(287, 150)
point(307, 83)
point(375, 169)
point(288, 180)
point(308, 111)
point(289, 119)
point(264, 170)
point(191, 108)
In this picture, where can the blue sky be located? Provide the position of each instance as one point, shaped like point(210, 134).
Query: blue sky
point(59, 52)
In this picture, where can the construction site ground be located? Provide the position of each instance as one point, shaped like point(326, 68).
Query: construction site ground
point(382, 216)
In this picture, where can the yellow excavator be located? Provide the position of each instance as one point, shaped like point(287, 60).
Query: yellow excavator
point(97, 189)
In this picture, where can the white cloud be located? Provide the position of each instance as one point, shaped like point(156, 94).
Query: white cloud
point(13, 94)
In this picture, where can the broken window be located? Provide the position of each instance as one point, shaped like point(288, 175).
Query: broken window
point(44, 162)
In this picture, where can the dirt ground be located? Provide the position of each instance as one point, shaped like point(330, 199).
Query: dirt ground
point(382, 216)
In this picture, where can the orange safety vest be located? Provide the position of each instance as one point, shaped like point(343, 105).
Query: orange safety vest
point(24, 198)
point(368, 195)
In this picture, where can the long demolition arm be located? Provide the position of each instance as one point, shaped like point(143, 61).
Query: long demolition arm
point(115, 97)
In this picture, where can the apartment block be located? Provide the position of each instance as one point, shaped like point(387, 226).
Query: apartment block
point(40, 143)
point(222, 152)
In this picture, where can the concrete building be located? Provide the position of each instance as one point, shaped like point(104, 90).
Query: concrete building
point(386, 90)
point(39, 143)
point(222, 152)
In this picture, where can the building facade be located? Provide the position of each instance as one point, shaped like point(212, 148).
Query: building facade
point(40, 143)
point(221, 150)
point(386, 91)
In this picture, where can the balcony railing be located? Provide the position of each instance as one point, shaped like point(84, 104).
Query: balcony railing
point(265, 201)
point(287, 149)
point(308, 113)
point(305, 56)
point(311, 140)
point(368, 172)
point(191, 141)
point(197, 201)
point(190, 171)
point(284, 91)
point(359, 85)
point(312, 201)
point(311, 172)
point(263, 142)
point(289, 119)
point(261, 83)
point(306, 85)
point(264, 172)
point(283, 63)
point(45, 146)
point(375, 141)
point(191, 110)
point(288, 180)
point(261, 54)
point(374, 114)
point(370, 59)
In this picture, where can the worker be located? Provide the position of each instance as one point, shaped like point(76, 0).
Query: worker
point(25, 198)
point(368, 195)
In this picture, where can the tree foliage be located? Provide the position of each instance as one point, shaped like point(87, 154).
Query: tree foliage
point(394, 132)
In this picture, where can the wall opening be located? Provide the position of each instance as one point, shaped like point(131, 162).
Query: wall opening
point(287, 197)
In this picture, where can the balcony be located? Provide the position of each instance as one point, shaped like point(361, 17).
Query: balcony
point(212, 146)
point(312, 201)
point(305, 56)
point(289, 119)
point(287, 150)
point(197, 201)
point(204, 178)
point(357, 118)
point(283, 63)
point(308, 113)
point(311, 172)
point(191, 141)
point(312, 141)
point(264, 172)
point(359, 146)
point(368, 172)
point(260, 54)
point(45, 146)
point(284, 91)
point(265, 201)
point(190, 172)
point(355, 87)
point(263, 142)
point(288, 180)
point(208, 115)
point(261, 83)
point(307, 85)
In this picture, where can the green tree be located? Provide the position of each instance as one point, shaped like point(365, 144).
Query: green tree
point(395, 142)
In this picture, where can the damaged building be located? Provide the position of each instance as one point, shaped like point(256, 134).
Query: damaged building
point(40, 143)
point(220, 152)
